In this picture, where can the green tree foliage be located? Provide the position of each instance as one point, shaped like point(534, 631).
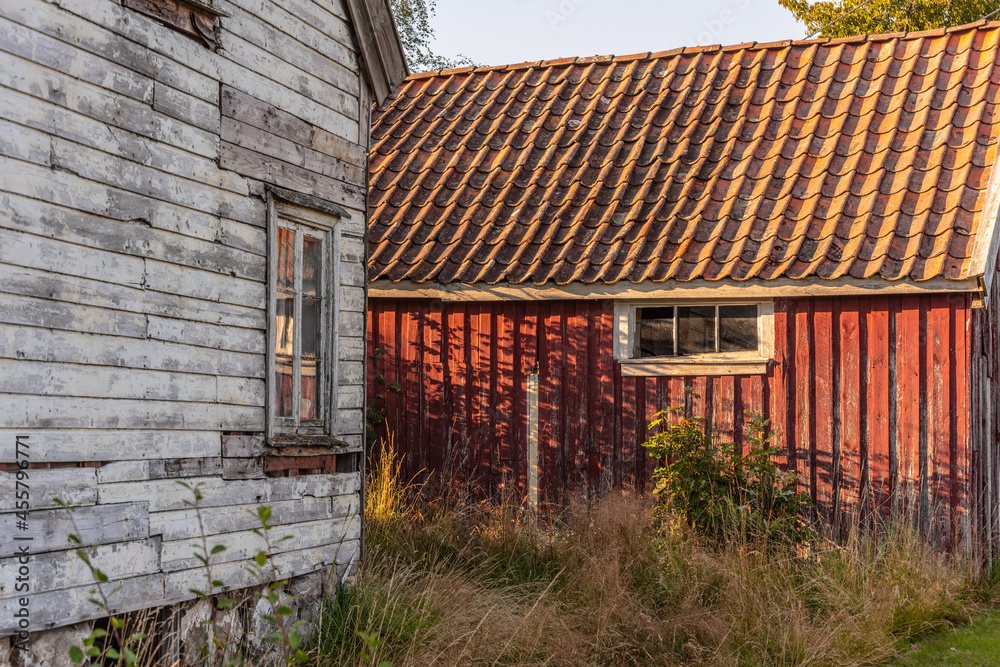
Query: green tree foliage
point(413, 21)
point(843, 18)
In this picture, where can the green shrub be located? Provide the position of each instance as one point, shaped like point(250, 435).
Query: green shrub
point(716, 488)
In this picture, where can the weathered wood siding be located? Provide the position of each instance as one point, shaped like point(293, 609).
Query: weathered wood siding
point(134, 159)
point(868, 397)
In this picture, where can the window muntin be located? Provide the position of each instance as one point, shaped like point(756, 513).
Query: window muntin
point(695, 330)
point(301, 302)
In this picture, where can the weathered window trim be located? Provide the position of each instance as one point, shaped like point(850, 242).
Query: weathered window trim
point(305, 211)
point(719, 363)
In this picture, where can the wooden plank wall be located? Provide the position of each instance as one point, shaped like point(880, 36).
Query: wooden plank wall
point(133, 165)
point(867, 397)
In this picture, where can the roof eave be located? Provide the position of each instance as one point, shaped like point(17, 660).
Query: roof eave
point(699, 289)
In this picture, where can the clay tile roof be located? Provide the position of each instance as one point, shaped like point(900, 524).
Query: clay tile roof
point(861, 157)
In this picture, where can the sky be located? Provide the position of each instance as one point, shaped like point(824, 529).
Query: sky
point(500, 32)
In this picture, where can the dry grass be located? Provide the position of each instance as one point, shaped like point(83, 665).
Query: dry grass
point(463, 583)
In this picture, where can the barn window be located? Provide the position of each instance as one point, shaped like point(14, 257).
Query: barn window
point(693, 338)
point(302, 323)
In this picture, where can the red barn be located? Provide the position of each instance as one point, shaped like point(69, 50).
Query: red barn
point(805, 229)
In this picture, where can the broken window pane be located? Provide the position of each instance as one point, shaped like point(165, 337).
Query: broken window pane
point(695, 329)
point(656, 332)
point(737, 328)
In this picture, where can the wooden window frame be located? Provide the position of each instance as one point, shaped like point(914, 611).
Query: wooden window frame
point(304, 214)
point(712, 363)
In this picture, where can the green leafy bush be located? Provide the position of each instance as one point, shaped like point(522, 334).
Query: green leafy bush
point(716, 488)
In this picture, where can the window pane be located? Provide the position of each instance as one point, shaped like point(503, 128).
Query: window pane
point(656, 332)
point(286, 259)
point(312, 265)
point(311, 310)
point(284, 324)
point(737, 328)
point(695, 329)
point(283, 386)
point(310, 390)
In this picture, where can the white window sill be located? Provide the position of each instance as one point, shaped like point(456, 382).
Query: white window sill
point(706, 365)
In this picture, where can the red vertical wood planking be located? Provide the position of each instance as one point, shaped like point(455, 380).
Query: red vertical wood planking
point(939, 432)
point(908, 400)
point(630, 437)
point(591, 418)
point(800, 380)
point(724, 408)
point(850, 408)
point(556, 357)
point(778, 384)
point(960, 460)
point(528, 337)
point(434, 407)
point(885, 378)
point(878, 403)
point(609, 436)
point(824, 403)
point(391, 370)
point(575, 395)
point(503, 400)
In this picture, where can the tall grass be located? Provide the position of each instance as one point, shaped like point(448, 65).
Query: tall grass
point(477, 583)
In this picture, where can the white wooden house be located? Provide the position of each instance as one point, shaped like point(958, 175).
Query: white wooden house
point(182, 289)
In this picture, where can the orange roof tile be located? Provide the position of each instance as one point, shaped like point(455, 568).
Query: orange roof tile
point(861, 157)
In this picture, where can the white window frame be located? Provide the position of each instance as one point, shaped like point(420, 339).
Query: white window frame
point(300, 216)
point(750, 362)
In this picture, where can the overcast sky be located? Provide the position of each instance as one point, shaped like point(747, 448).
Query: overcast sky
point(498, 32)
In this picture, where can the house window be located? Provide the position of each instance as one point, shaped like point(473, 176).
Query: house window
point(693, 338)
point(302, 322)
point(672, 331)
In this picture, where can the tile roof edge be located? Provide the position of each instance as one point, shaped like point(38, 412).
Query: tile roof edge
point(653, 55)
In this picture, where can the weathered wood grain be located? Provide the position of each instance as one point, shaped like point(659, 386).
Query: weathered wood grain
point(211, 336)
point(32, 343)
point(49, 530)
point(177, 585)
point(256, 165)
point(33, 312)
point(305, 44)
point(63, 570)
point(242, 446)
point(183, 524)
point(104, 105)
point(136, 238)
point(153, 229)
point(244, 545)
point(64, 607)
point(60, 412)
point(166, 495)
point(61, 446)
point(75, 486)
point(246, 468)
point(247, 136)
point(185, 17)
point(30, 45)
point(93, 38)
point(67, 289)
